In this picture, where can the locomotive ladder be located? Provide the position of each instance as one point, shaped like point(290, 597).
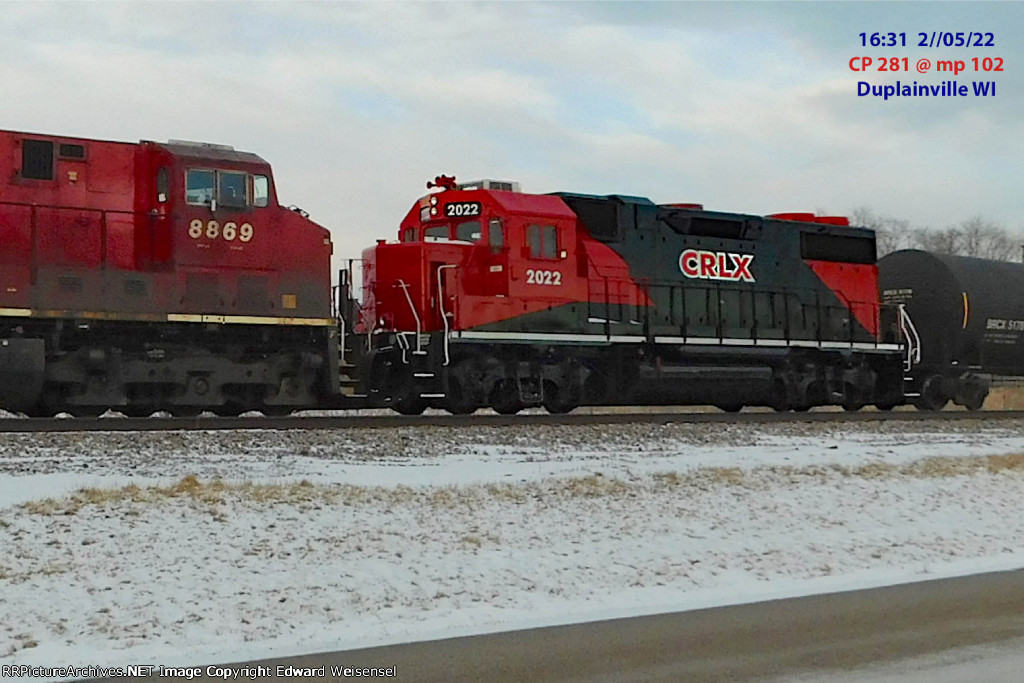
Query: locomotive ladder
point(345, 310)
point(348, 385)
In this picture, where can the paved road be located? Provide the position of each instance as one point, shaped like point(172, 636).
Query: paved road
point(781, 640)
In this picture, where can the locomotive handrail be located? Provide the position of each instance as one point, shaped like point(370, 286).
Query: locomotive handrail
point(33, 207)
point(403, 344)
point(415, 315)
point(73, 208)
point(909, 331)
point(440, 306)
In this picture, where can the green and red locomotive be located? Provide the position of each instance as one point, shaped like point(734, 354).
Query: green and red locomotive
point(492, 297)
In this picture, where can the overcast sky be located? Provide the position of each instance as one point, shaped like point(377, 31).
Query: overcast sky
point(743, 107)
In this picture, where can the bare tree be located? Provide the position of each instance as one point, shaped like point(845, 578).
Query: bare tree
point(984, 239)
point(975, 236)
point(891, 234)
point(945, 241)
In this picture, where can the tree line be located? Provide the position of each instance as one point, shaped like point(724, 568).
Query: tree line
point(975, 236)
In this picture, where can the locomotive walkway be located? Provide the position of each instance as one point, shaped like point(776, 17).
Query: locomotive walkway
point(391, 421)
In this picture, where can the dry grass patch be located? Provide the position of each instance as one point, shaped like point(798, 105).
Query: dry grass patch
point(306, 496)
point(933, 467)
point(593, 486)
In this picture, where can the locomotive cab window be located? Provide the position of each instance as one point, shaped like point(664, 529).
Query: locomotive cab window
point(231, 190)
point(37, 159)
point(163, 184)
point(200, 186)
point(436, 231)
point(470, 231)
point(228, 188)
point(542, 241)
point(496, 235)
point(260, 190)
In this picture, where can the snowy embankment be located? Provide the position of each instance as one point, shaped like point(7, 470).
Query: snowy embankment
point(192, 548)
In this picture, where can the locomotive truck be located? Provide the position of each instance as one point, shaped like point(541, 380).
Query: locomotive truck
point(166, 276)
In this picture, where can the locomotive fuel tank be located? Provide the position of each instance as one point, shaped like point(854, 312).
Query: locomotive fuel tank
point(969, 314)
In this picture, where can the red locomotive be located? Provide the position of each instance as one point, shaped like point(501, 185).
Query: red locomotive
point(492, 297)
point(165, 276)
point(156, 276)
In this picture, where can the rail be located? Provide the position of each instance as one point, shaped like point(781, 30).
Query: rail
point(594, 416)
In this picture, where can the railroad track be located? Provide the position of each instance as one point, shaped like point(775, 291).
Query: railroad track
point(351, 421)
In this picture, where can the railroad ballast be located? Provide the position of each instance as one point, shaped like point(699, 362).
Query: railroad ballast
point(145, 277)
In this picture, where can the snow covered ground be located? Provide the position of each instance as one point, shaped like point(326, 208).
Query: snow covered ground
point(197, 548)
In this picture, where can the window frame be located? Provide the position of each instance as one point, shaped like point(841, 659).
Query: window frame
point(546, 247)
point(250, 188)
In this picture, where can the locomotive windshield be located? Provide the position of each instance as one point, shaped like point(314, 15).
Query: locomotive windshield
point(232, 188)
point(470, 231)
point(199, 186)
point(229, 188)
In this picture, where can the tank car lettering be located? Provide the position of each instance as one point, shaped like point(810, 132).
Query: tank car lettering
point(995, 324)
point(716, 265)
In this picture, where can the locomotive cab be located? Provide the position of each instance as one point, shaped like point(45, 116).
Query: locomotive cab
point(469, 256)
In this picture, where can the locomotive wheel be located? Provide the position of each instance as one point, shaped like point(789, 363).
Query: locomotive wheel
point(505, 398)
point(463, 386)
point(974, 399)
point(779, 398)
point(554, 402)
point(932, 397)
point(459, 400)
point(407, 402)
point(854, 400)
